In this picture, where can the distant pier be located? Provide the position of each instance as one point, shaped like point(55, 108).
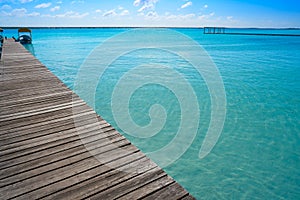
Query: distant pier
point(42, 155)
point(222, 30)
point(214, 30)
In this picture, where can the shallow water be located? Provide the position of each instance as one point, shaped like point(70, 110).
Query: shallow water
point(257, 154)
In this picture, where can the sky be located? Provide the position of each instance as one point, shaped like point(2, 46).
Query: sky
point(153, 13)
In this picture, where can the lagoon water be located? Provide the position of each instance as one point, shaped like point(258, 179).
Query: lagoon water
point(258, 153)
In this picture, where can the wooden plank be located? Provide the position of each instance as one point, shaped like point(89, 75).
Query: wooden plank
point(49, 151)
point(54, 191)
point(188, 197)
point(13, 94)
point(105, 181)
point(48, 109)
point(29, 130)
point(172, 190)
point(68, 170)
point(149, 188)
point(55, 154)
point(38, 99)
point(130, 185)
point(37, 120)
point(35, 99)
point(40, 145)
point(70, 156)
point(44, 136)
point(31, 107)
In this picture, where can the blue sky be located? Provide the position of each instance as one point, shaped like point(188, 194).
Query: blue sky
point(188, 13)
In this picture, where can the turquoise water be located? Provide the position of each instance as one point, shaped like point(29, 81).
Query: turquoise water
point(257, 155)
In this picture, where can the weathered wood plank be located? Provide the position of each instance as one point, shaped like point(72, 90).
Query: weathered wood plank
point(74, 145)
point(37, 128)
point(14, 94)
point(48, 109)
point(172, 190)
point(68, 170)
point(70, 156)
point(188, 197)
point(42, 119)
point(34, 147)
point(55, 190)
point(149, 188)
point(49, 151)
point(130, 185)
point(57, 153)
point(44, 137)
point(105, 181)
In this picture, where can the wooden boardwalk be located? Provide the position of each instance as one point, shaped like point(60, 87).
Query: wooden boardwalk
point(41, 152)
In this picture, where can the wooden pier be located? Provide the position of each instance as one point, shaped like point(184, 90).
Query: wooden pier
point(41, 152)
point(214, 30)
point(222, 30)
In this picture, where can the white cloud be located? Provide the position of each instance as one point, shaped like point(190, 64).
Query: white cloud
point(137, 2)
point(146, 7)
point(43, 5)
point(34, 14)
point(47, 15)
point(188, 16)
point(152, 14)
point(201, 17)
point(25, 1)
point(124, 12)
point(6, 7)
point(205, 6)
point(232, 20)
point(77, 15)
point(18, 12)
point(59, 2)
point(119, 11)
point(77, 2)
point(55, 8)
point(187, 4)
point(66, 14)
point(140, 14)
point(70, 14)
point(169, 19)
point(109, 13)
point(146, 4)
point(169, 16)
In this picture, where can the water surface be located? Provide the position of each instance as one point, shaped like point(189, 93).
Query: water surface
point(257, 155)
